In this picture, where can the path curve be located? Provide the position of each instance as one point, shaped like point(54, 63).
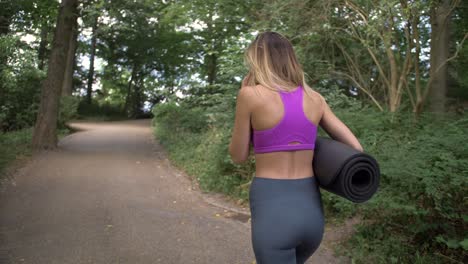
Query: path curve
point(108, 195)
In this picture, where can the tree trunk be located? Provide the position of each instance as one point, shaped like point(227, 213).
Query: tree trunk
point(5, 19)
point(211, 67)
point(417, 73)
point(211, 60)
point(137, 98)
point(43, 45)
point(91, 62)
point(67, 87)
point(45, 129)
point(440, 37)
point(129, 91)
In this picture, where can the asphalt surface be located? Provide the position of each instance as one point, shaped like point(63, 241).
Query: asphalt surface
point(109, 195)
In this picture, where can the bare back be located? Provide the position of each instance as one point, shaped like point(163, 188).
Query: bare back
point(267, 111)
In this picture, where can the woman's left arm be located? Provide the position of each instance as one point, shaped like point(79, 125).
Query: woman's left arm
point(239, 146)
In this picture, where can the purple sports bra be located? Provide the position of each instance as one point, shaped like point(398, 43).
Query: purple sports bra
point(293, 132)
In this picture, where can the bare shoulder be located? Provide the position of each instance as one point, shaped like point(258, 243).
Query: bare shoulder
point(246, 93)
point(315, 96)
point(246, 96)
point(252, 94)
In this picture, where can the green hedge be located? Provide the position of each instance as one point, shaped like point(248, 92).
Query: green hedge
point(419, 213)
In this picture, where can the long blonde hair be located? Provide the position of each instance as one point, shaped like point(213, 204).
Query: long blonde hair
point(273, 64)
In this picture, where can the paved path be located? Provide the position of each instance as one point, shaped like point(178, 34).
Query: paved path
point(109, 195)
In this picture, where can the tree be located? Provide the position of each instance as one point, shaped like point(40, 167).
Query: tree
point(7, 11)
point(45, 129)
point(89, 90)
point(440, 44)
point(67, 87)
point(219, 20)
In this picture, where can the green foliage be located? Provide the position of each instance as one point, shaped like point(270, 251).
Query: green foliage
point(197, 141)
point(100, 110)
point(15, 146)
point(19, 86)
point(418, 208)
point(336, 98)
point(181, 118)
point(68, 109)
point(150, 56)
point(420, 204)
point(457, 67)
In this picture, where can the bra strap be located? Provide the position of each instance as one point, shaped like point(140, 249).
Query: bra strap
point(292, 101)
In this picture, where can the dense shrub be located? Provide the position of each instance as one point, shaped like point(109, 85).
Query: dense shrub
point(14, 145)
point(102, 110)
point(68, 109)
point(19, 86)
point(421, 203)
point(198, 143)
point(181, 118)
point(418, 215)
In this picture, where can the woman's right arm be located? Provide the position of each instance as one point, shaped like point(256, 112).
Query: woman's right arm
point(337, 129)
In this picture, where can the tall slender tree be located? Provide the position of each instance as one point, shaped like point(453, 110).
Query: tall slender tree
point(45, 129)
point(89, 92)
point(440, 44)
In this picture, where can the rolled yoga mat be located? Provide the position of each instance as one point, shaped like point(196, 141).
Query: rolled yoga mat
point(345, 171)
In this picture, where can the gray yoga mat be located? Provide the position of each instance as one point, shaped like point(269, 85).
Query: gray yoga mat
point(345, 171)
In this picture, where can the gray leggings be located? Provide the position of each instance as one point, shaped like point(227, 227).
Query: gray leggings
point(287, 219)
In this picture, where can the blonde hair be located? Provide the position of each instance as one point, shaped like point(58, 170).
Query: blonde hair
point(273, 64)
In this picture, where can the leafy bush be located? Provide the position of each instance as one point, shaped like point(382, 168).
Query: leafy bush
point(336, 98)
point(418, 214)
point(14, 145)
point(103, 110)
point(68, 109)
point(197, 142)
point(181, 117)
point(19, 86)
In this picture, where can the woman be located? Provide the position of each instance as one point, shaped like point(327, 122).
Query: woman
point(279, 112)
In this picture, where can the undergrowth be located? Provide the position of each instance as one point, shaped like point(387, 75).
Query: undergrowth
point(418, 214)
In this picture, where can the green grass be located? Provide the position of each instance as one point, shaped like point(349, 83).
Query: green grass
point(15, 146)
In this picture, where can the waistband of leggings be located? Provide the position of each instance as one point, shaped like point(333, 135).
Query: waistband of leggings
point(283, 183)
point(268, 187)
point(260, 178)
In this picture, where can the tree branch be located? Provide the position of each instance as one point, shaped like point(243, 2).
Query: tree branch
point(359, 86)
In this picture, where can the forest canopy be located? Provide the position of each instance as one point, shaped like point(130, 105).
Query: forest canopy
point(131, 55)
point(393, 70)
